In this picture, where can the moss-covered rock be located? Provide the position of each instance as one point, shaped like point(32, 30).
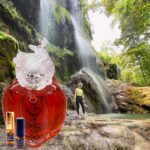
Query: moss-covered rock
point(16, 17)
point(60, 13)
point(8, 50)
point(59, 57)
point(129, 99)
point(139, 97)
point(29, 9)
point(17, 25)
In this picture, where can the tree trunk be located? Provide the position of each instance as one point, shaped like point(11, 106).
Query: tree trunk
point(139, 60)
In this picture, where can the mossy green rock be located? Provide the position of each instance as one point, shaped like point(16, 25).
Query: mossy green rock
point(8, 50)
point(16, 24)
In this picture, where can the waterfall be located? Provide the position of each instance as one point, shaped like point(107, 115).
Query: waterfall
point(101, 88)
point(85, 52)
point(45, 17)
point(87, 55)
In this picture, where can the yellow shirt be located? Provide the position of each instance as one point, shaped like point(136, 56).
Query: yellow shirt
point(79, 92)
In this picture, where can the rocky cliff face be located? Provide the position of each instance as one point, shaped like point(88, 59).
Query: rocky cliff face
point(20, 19)
point(29, 9)
point(12, 22)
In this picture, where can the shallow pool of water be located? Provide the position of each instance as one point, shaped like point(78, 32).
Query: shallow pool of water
point(126, 116)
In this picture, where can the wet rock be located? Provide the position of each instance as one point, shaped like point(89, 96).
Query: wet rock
point(29, 9)
point(16, 25)
point(70, 97)
point(8, 50)
point(129, 99)
point(97, 133)
point(97, 96)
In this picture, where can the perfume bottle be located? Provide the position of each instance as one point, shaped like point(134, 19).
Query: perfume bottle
point(36, 96)
point(10, 129)
point(20, 133)
point(43, 110)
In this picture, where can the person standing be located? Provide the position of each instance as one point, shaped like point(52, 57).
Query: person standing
point(79, 99)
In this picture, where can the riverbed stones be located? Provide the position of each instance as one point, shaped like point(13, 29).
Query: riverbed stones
point(97, 133)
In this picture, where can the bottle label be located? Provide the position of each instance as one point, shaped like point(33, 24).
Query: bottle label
point(20, 142)
point(10, 137)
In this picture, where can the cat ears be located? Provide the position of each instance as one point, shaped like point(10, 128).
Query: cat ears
point(44, 42)
point(40, 50)
point(42, 45)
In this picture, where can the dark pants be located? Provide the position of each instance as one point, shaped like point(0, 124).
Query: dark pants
point(79, 101)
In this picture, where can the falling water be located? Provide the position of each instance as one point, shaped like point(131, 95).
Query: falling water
point(87, 55)
point(45, 17)
point(101, 88)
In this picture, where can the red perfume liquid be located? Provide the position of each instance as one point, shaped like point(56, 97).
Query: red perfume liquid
point(43, 111)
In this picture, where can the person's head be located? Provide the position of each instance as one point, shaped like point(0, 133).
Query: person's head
point(80, 85)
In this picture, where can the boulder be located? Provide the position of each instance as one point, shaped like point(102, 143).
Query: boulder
point(128, 98)
point(97, 96)
point(8, 50)
point(70, 97)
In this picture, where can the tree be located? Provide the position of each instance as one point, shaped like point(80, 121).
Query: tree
point(133, 16)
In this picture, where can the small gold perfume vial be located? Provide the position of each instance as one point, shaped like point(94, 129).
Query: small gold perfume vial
point(10, 129)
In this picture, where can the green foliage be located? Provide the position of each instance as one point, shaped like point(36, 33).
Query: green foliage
point(9, 6)
point(8, 50)
point(8, 46)
point(94, 5)
point(4, 36)
point(138, 98)
point(87, 25)
point(57, 52)
point(137, 61)
point(59, 58)
point(133, 16)
point(110, 65)
point(60, 13)
point(16, 22)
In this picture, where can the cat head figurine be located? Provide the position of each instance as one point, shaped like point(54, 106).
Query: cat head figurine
point(34, 70)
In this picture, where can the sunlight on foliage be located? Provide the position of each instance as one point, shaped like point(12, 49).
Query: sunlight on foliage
point(56, 51)
point(133, 16)
point(60, 13)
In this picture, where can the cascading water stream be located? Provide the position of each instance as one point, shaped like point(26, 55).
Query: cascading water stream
point(87, 55)
point(45, 17)
point(101, 88)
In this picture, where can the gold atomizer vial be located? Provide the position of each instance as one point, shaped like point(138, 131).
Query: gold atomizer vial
point(10, 129)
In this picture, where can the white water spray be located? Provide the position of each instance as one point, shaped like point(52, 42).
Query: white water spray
point(87, 54)
point(45, 16)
